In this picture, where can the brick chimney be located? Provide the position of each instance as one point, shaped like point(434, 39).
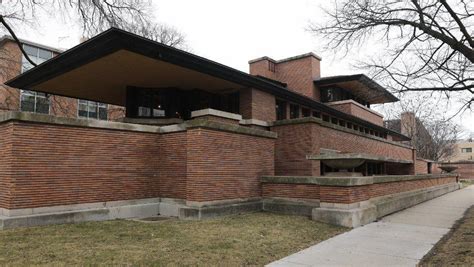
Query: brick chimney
point(408, 124)
point(297, 72)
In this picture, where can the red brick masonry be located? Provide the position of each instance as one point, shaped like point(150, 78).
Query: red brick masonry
point(302, 137)
point(301, 188)
point(44, 164)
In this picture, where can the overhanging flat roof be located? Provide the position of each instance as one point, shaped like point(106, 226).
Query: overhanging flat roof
point(101, 68)
point(359, 85)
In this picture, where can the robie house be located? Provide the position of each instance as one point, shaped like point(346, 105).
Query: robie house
point(201, 139)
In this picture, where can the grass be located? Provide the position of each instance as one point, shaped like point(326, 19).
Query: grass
point(467, 182)
point(457, 247)
point(249, 239)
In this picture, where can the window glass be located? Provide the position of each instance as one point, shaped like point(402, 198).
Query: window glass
point(175, 103)
point(27, 103)
point(92, 110)
point(305, 112)
point(44, 54)
point(294, 111)
point(280, 109)
point(31, 101)
point(466, 150)
point(42, 105)
point(30, 50)
point(37, 55)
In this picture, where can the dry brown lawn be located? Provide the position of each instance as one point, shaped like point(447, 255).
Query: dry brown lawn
point(249, 239)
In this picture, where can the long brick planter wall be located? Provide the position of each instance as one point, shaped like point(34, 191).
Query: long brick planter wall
point(353, 201)
point(343, 191)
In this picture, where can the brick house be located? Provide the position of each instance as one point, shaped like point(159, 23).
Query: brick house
point(201, 139)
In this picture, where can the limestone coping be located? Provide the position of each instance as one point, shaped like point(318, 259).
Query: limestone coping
point(48, 119)
point(112, 125)
point(349, 181)
point(229, 128)
point(350, 101)
point(216, 113)
point(335, 127)
point(350, 156)
point(254, 122)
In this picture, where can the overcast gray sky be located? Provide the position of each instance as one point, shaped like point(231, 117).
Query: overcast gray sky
point(233, 32)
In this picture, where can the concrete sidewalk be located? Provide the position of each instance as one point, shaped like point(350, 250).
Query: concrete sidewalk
point(400, 239)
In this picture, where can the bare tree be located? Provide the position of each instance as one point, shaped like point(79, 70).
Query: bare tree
point(162, 33)
point(444, 135)
point(93, 15)
point(420, 118)
point(428, 44)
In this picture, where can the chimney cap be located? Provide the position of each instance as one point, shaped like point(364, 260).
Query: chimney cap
point(310, 54)
point(261, 59)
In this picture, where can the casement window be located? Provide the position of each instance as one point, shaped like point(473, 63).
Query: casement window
point(466, 150)
point(31, 101)
point(92, 110)
point(34, 102)
point(280, 109)
point(294, 111)
point(305, 112)
point(158, 103)
point(38, 55)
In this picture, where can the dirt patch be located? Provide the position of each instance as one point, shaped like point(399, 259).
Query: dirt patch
point(457, 247)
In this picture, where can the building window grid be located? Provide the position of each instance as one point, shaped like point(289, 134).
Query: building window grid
point(36, 102)
point(92, 110)
point(31, 101)
point(466, 150)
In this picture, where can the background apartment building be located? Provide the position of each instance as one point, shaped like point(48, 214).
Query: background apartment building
point(464, 150)
point(14, 63)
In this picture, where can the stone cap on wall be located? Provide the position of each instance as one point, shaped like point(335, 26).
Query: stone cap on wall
point(215, 113)
point(112, 125)
point(350, 156)
point(49, 119)
point(350, 181)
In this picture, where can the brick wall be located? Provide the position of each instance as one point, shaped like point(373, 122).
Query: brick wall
point(421, 166)
point(352, 194)
point(61, 165)
point(348, 194)
point(5, 165)
point(299, 191)
point(224, 165)
point(298, 73)
point(465, 168)
point(344, 195)
point(377, 190)
point(58, 165)
point(296, 141)
point(256, 104)
point(262, 68)
point(171, 164)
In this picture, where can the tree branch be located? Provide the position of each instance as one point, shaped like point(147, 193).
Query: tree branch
point(17, 41)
